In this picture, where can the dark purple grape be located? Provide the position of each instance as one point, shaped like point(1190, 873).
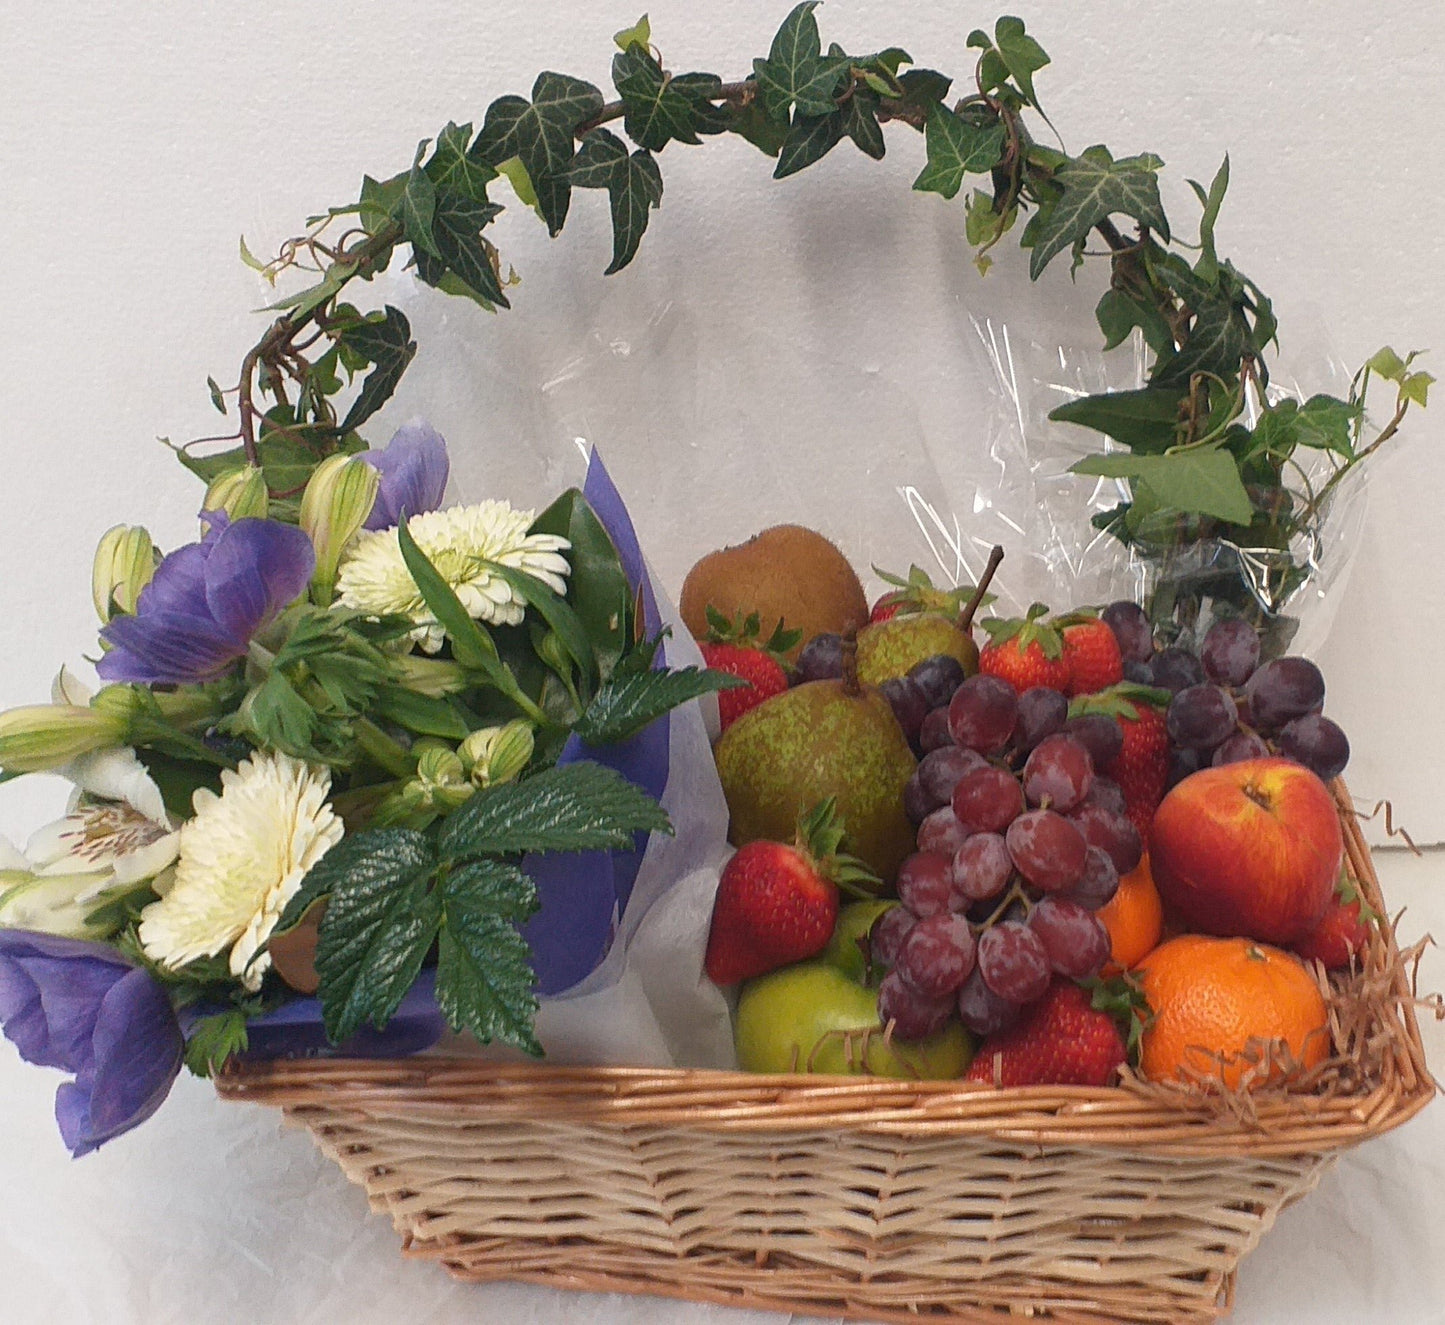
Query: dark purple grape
point(1059, 772)
point(934, 734)
point(1114, 834)
point(1046, 849)
point(942, 832)
point(908, 704)
point(1097, 884)
point(925, 883)
point(938, 677)
point(1284, 689)
point(1317, 743)
point(987, 799)
point(1201, 717)
point(1177, 669)
point(983, 1011)
point(1107, 795)
point(1140, 673)
point(940, 770)
point(820, 659)
point(1074, 938)
point(981, 870)
point(917, 803)
point(914, 1016)
point(937, 955)
point(1042, 711)
point(1099, 734)
point(1230, 652)
point(1013, 963)
point(982, 713)
point(1131, 628)
point(886, 935)
point(1182, 763)
point(1242, 745)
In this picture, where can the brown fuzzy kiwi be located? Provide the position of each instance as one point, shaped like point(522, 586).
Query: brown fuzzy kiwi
point(786, 572)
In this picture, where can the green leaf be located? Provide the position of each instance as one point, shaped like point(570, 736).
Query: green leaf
point(1096, 187)
point(417, 207)
point(860, 123)
point(924, 86)
point(455, 169)
point(1327, 424)
point(1118, 314)
point(250, 259)
point(600, 158)
point(1143, 420)
point(390, 853)
point(214, 1039)
point(333, 281)
point(753, 123)
point(485, 982)
point(633, 195)
point(541, 133)
point(639, 34)
point(1386, 363)
point(1208, 265)
point(657, 108)
point(627, 704)
point(385, 342)
point(471, 645)
point(1202, 482)
point(1021, 54)
point(1415, 387)
point(459, 224)
point(809, 139)
point(1218, 339)
point(796, 74)
point(422, 715)
point(554, 610)
point(578, 807)
point(956, 147)
point(379, 202)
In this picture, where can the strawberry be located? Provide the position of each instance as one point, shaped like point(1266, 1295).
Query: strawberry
point(917, 593)
point(734, 647)
point(777, 903)
point(1092, 653)
point(1025, 653)
point(1062, 1040)
point(1141, 768)
point(1342, 932)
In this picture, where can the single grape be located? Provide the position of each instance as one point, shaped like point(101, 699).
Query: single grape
point(1107, 795)
point(1140, 673)
point(1182, 763)
point(982, 713)
point(1176, 669)
point(1284, 689)
point(908, 704)
point(1230, 652)
point(820, 659)
point(1131, 628)
point(1013, 962)
point(940, 770)
point(981, 870)
point(917, 803)
point(1242, 745)
point(1201, 717)
point(937, 955)
point(934, 734)
point(914, 1016)
point(925, 883)
point(1098, 883)
point(1114, 834)
point(1058, 772)
point(1074, 938)
point(886, 935)
point(1042, 711)
point(1099, 734)
point(1046, 849)
point(983, 1011)
point(942, 832)
point(987, 799)
point(1317, 743)
point(938, 677)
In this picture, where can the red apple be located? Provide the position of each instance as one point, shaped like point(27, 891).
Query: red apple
point(1250, 849)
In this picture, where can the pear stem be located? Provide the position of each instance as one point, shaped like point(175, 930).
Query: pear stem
point(851, 684)
point(965, 618)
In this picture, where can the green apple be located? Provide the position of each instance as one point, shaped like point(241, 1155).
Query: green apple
point(854, 922)
point(810, 1017)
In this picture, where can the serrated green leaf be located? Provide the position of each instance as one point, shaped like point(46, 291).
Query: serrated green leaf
point(455, 167)
point(1143, 420)
point(796, 74)
point(627, 704)
point(1218, 339)
point(1096, 187)
point(577, 807)
point(392, 853)
point(639, 34)
point(386, 343)
point(458, 228)
point(1022, 56)
point(214, 1039)
point(956, 147)
point(809, 139)
point(656, 108)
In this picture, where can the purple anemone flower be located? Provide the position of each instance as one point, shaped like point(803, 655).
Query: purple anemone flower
point(83, 1008)
point(414, 470)
point(196, 617)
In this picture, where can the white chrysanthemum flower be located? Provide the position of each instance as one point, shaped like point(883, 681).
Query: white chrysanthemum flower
point(242, 858)
point(460, 542)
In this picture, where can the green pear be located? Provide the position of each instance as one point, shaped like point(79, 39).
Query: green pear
point(810, 1017)
point(850, 932)
point(888, 649)
point(808, 744)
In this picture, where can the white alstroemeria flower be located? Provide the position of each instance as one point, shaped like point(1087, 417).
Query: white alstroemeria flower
point(242, 858)
point(460, 542)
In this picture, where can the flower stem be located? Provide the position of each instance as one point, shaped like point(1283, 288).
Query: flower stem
point(382, 750)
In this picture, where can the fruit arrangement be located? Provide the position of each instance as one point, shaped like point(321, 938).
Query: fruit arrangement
point(1073, 849)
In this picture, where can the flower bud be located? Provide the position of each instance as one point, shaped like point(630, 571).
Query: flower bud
point(240, 492)
point(337, 500)
point(498, 754)
point(124, 562)
point(45, 736)
point(441, 779)
point(433, 677)
point(125, 703)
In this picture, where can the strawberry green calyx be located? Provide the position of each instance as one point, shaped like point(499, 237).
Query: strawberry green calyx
point(820, 837)
point(1121, 701)
point(746, 632)
point(1122, 998)
point(918, 593)
point(1033, 628)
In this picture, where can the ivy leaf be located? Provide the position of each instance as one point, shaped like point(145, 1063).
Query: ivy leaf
point(417, 206)
point(379, 925)
point(633, 183)
point(385, 342)
point(639, 34)
point(1327, 423)
point(1118, 314)
point(214, 1039)
point(1143, 420)
point(459, 224)
point(956, 147)
point(754, 124)
point(656, 108)
point(379, 201)
point(1208, 265)
point(485, 982)
point(860, 123)
point(796, 74)
point(541, 132)
point(577, 807)
point(1218, 339)
point(1096, 187)
point(627, 704)
point(455, 169)
point(924, 86)
point(809, 139)
point(1022, 56)
point(598, 160)
point(701, 90)
point(1203, 482)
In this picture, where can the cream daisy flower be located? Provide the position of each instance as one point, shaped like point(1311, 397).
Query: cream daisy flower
point(460, 542)
point(242, 858)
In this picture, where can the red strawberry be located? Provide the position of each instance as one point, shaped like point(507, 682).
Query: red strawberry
point(1025, 653)
point(1141, 768)
point(917, 593)
point(777, 903)
point(735, 648)
point(1062, 1041)
point(1341, 934)
point(1092, 653)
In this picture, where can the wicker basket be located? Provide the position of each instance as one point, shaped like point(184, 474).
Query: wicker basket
point(871, 1199)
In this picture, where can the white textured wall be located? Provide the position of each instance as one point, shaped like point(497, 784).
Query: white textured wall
point(137, 142)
